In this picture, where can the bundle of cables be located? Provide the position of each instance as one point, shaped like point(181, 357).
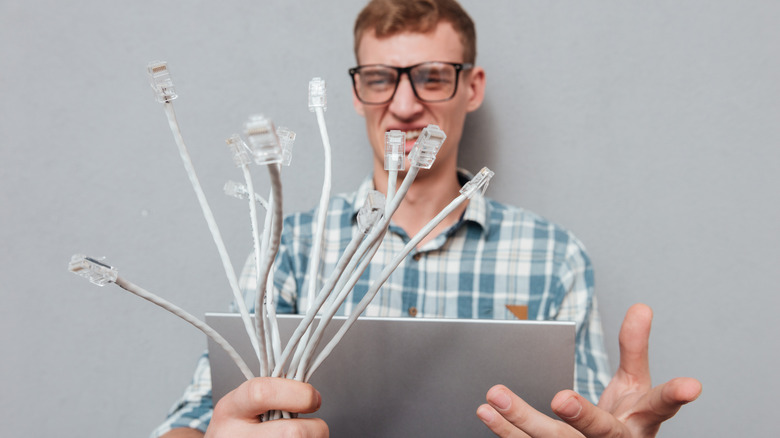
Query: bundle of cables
point(271, 147)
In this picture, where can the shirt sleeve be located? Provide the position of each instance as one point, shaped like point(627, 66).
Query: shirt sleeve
point(579, 304)
point(193, 410)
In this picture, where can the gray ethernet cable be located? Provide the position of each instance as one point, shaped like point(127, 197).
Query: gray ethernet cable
point(265, 146)
point(478, 184)
point(162, 84)
point(101, 274)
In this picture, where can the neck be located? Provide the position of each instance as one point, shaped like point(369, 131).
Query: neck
point(430, 192)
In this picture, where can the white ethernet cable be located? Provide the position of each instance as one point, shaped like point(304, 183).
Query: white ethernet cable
point(422, 155)
point(430, 149)
point(161, 83)
point(368, 215)
point(242, 156)
point(477, 184)
point(237, 190)
point(427, 146)
point(318, 105)
point(395, 142)
point(286, 140)
point(101, 274)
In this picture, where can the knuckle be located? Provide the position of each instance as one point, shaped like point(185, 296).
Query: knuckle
point(294, 429)
point(259, 392)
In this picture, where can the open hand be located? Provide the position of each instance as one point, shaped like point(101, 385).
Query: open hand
point(629, 406)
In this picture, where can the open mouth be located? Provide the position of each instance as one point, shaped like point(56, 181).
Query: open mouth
point(413, 134)
point(411, 137)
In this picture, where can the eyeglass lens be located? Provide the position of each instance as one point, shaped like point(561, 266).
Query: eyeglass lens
point(431, 81)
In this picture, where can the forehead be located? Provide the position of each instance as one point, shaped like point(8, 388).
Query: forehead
point(409, 48)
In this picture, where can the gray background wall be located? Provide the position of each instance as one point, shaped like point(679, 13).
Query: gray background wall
point(650, 129)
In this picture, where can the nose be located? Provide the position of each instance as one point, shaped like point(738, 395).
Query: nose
point(405, 105)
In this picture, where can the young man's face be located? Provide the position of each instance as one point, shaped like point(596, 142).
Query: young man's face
point(407, 113)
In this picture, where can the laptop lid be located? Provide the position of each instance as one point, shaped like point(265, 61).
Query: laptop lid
point(402, 377)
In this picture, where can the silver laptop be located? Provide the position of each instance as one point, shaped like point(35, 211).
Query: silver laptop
point(415, 377)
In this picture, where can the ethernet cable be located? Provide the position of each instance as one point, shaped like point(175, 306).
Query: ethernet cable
point(101, 274)
point(239, 191)
point(422, 155)
point(242, 156)
point(318, 105)
point(286, 140)
point(162, 84)
point(368, 215)
point(395, 142)
point(271, 147)
point(477, 184)
point(265, 146)
point(429, 140)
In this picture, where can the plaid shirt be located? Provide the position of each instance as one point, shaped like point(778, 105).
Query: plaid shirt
point(494, 256)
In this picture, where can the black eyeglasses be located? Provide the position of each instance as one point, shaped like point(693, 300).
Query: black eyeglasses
point(431, 81)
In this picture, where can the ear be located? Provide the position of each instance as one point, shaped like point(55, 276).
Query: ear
point(474, 81)
point(357, 104)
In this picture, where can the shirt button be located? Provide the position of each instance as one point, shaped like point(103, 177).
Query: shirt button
point(417, 256)
point(412, 311)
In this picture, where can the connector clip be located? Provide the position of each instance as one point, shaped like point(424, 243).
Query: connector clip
point(317, 94)
point(286, 140)
point(477, 184)
point(98, 273)
point(263, 142)
point(395, 143)
point(239, 191)
point(427, 145)
point(161, 82)
point(241, 153)
point(372, 210)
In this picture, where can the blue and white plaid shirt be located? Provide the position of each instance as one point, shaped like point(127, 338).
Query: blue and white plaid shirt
point(494, 256)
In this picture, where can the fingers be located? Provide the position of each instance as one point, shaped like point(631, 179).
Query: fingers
point(655, 407)
point(588, 419)
point(262, 394)
point(634, 338)
point(300, 427)
point(507, 415)
point(498, 424)
point(663, 401)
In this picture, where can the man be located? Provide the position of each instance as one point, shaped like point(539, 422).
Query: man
point(416, 67)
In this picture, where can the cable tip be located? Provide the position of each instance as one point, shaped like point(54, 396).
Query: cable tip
point(317, 94)
point(97, 272)
point(395, 143)
point(427, 146)
point(477, 184)
point(371, 211)
point(286, 139)
point(161, 82)
point(263, 142)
